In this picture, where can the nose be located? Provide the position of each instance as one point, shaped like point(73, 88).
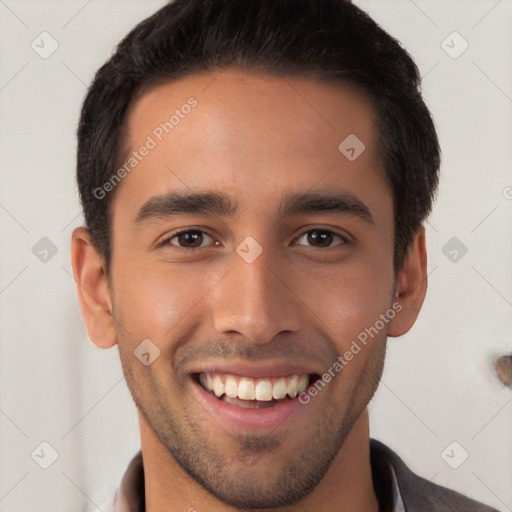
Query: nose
point(256, 300)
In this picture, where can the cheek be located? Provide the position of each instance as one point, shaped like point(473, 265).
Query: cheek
point(152, 301)
point(351, 320)
point(348, 299)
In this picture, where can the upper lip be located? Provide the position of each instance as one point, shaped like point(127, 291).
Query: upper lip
point(256, 370)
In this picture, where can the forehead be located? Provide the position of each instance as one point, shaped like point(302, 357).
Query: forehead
point(249, 132)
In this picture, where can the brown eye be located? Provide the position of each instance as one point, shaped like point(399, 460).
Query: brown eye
point(321, 238)
point(190, 239)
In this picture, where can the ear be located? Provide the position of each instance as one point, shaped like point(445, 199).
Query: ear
point(92, 288)
point(410, 286)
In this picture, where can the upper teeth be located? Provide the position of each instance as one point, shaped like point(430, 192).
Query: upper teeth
point(247, 388)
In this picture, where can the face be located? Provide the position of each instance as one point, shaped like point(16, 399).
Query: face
point(253, 254)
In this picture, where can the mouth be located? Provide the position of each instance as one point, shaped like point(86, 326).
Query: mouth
point(254, 393)
point(257, 398)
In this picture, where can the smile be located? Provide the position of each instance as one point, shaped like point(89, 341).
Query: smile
point(244, 396)
point(249, 392)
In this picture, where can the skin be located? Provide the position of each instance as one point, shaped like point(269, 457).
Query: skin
point(255, 138)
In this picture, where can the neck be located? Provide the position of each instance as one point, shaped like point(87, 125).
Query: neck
point(346, 486)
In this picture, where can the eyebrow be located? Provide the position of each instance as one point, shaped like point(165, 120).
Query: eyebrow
point(326, 202)
point(179, 203)
point(220, 204)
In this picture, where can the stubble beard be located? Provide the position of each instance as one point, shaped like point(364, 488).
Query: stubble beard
point(256, 477)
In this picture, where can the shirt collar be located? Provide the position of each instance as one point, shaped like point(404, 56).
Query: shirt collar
point(398, 503)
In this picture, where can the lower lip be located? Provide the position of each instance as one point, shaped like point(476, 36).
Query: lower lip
point(281, 414)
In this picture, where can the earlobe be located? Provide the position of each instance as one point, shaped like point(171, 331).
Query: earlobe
point(92, 289)
point(410, 286)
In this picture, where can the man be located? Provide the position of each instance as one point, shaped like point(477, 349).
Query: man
point(254, 177)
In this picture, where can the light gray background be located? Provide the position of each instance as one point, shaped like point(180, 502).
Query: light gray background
point(438, 386)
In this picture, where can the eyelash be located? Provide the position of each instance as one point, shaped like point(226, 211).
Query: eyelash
point(345, 241)
point(167, 241)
